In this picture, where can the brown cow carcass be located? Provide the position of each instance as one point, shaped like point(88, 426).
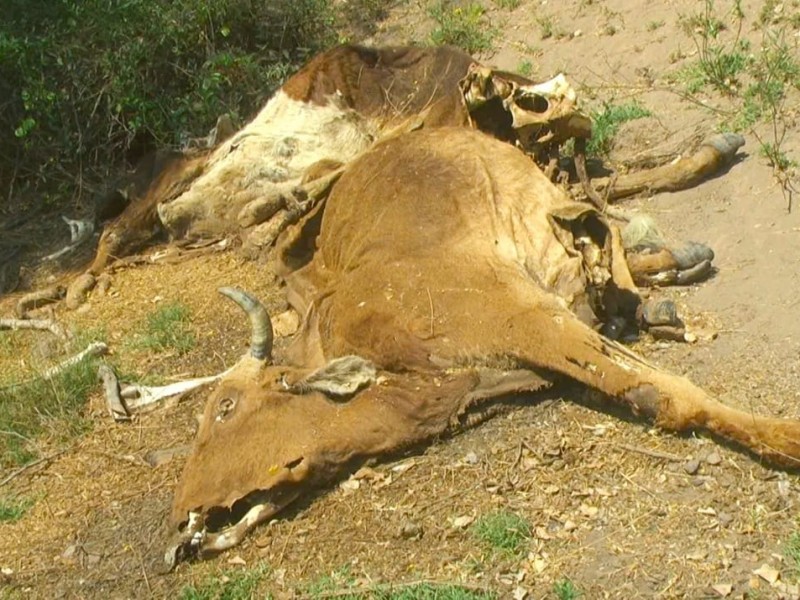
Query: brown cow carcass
point(439, 281)
point(266, 176)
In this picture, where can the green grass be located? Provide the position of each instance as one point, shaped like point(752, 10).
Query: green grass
point(654, 25)
point(547, 26)
point(335, 580)
point(508, 4)
point(718, 67)
point(503, 530)
point(525, 68)
point(424, 591)
point(720, 63)
point(12, 510)
point(229, 585)
point(36, 405)
point(461, 26)
point(606, 124)
point(564, 589)
point(168, 328)
point(792, 553)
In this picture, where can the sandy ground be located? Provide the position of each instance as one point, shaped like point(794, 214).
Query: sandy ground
point(616, 506)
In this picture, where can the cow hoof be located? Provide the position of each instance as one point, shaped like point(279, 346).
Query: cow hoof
point(695, 274)
point(726, 144)
point(692, 254)
point(660, 312)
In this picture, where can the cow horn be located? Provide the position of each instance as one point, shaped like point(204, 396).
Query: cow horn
point(261, 339)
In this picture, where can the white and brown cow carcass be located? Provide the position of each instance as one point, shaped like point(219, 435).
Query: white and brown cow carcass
point(440, 279)
point(272, 171)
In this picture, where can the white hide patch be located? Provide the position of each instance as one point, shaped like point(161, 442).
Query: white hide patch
point(268, 156)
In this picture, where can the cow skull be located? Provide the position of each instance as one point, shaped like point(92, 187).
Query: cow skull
point(541, 113)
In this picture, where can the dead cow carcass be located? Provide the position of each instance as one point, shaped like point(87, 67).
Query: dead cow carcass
point(259, 179)
point(445, 280)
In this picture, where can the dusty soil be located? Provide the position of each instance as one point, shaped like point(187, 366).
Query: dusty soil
point(616, 506)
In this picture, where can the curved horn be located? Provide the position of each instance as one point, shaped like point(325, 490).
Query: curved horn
point(261, 339)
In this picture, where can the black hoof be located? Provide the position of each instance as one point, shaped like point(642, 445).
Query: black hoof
point(692, 254)
point(697, 273)
point(726, 144)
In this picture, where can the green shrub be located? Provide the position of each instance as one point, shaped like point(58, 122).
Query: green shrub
point(86, 83)
point(461, 26)
point(606, 123)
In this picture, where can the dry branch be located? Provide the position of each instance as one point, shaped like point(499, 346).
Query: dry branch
point(41, 324)
point(93, 349)
point(30, 465)
point(116, 407)
point(39, 298)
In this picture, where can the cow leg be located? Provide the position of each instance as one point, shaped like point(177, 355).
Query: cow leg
point(552, 338)
point(652, 261)
point(710, 158)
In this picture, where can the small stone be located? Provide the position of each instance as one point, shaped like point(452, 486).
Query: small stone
point(691, 467)
point(713, 458)
point(462, 522)
point(767, 573)
point(471, 458)
point(410, 531)
point(723, 589)
point(724, 519)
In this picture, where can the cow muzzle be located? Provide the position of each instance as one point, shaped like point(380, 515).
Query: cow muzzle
point(205, 534)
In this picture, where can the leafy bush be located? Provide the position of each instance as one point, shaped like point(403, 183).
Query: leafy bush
point(87, 83)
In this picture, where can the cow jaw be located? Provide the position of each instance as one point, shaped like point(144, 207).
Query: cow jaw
point(200, 539)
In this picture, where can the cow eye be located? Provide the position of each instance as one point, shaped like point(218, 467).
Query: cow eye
point(225, 408)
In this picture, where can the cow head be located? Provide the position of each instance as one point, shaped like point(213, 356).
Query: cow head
point(158, 178)
point(267, 434)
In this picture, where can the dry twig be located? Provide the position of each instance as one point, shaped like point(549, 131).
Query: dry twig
point(41, 324)
point(30, 465)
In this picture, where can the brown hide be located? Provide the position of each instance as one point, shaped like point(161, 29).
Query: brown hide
point(386, 83)
point(450, 262)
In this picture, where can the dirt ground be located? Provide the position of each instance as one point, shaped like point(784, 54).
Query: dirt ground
point(621, 509)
